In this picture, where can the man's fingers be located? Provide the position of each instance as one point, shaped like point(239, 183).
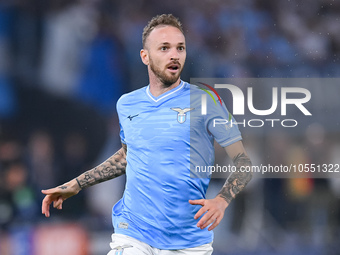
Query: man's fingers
point(45, 208)
point(215, 224)
point(56, 196)
point(48, 200)
point(48, 191)
point(212, 211)
point(202, 210)
point(47, 213)
point(212, 214)
point(197, 202)
point(58, 203)
point(213, 217)
point(200, 213)
point(209, 221)
point(205, 219)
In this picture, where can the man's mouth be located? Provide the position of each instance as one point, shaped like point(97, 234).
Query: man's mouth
point(173, 67)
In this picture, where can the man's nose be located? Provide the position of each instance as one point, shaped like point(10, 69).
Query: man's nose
point(174, 55)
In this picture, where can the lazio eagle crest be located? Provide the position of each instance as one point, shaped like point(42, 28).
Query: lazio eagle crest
point(181, 115)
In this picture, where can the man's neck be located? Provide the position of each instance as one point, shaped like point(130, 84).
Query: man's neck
point(157, 88)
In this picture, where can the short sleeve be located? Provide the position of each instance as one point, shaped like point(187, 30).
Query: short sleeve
point(221, 124)
point(121, 132)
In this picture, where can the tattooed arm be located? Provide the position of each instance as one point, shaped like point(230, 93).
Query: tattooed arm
point(109, 169)
point(237, 180)
point(214, 208)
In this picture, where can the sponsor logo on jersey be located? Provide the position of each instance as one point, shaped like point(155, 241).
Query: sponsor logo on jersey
point(131, 117)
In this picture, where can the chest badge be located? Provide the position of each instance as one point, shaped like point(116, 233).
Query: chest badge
point(181, 115)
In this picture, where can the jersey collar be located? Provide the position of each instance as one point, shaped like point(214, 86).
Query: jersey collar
point(164, 95)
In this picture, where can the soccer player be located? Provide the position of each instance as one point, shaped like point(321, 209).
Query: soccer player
point(165, 139)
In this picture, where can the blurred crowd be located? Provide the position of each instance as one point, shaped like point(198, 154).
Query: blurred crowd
point(64, 64)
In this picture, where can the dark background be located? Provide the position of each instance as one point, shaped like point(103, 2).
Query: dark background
point(64, 64)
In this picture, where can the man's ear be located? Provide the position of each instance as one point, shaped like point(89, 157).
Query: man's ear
point(144, 55)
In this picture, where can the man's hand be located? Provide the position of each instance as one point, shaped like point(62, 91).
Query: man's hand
point(58, 195)
point(213, 209)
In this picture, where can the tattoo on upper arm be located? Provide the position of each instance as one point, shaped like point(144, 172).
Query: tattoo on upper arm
point(237, 180)
point(109, 169)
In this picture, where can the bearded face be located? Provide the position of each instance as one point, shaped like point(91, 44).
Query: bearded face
point(165, 54)
point(167, 74)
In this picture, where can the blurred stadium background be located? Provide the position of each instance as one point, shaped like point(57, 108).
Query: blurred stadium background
point(63, 65)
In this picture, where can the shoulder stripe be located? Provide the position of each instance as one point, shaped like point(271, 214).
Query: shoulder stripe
point(231, 141)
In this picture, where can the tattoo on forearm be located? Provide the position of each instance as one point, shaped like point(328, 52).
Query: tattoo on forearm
point(237, 180)
point(78, 182)
point(109, 169)
point(124, 146)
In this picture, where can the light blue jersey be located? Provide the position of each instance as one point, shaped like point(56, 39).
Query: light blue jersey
point(166, 136)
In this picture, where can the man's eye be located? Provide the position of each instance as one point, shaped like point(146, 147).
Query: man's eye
point(181, 48)
point(164, 48)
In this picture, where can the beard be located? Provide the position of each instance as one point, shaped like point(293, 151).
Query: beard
point(166, 79)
